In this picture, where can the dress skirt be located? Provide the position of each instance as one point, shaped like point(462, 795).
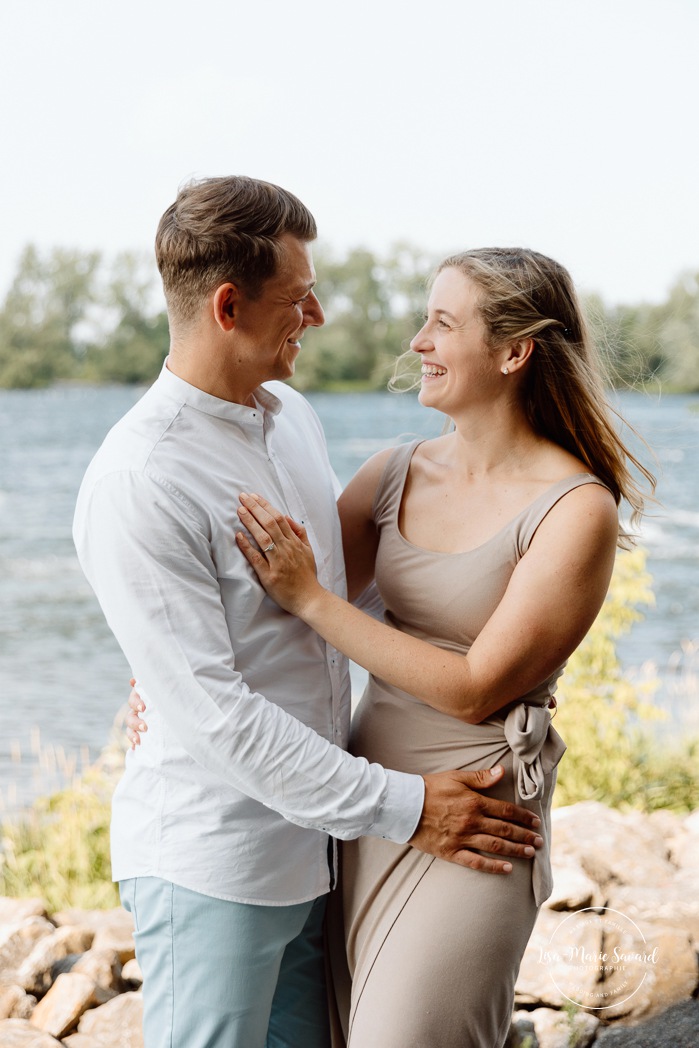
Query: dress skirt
point(425, 953)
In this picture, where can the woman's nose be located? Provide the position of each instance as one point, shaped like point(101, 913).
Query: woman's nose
point(420, 343)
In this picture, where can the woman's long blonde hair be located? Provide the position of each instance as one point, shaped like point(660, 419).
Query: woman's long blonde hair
point(524, 294)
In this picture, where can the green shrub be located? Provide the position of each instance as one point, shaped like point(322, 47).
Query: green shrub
point(60, 851)
point(605, 718)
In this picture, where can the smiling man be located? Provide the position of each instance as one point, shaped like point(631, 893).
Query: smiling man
point(221, 822)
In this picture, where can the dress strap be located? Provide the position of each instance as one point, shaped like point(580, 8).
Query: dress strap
point(529, 521)
point(389, 490)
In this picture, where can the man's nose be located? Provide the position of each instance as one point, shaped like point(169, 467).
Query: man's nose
point(313, 312)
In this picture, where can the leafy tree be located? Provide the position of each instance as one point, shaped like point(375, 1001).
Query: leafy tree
point(654, 344)
point(40, 320)
point(358, 313)
point(134, 348)
point(678, 334)
point(66, 316)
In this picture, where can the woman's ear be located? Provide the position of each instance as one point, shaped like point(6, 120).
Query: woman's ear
point(518, 354)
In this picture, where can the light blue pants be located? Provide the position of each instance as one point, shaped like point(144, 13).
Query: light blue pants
point(220, 974)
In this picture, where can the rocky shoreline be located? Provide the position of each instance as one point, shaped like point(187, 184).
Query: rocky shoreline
point(613, 959)
point(617, 943)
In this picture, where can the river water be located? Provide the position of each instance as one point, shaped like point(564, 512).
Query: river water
point(62, 676)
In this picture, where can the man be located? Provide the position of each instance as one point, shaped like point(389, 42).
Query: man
point(219, 834)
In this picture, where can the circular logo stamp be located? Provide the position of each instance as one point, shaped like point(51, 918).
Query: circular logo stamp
point(598, 958)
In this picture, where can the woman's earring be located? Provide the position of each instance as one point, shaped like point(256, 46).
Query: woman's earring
point(505, 371)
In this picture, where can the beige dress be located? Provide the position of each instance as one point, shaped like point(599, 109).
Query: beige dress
point(431, 950)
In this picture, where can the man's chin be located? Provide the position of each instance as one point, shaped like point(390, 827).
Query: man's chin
point(283, 371)
point(290, 359)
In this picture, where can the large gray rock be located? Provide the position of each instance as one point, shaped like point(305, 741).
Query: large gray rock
point(678, 1027)
point(522, 1033)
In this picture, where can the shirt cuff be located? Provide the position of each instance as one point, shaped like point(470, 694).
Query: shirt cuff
point(402, 808)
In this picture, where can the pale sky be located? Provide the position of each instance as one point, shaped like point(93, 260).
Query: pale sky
point(569, 126)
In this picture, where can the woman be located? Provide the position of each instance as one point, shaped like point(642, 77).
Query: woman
point(492, 547)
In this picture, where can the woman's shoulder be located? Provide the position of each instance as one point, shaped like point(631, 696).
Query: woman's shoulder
point(380, 479)
point(556, 463)
point(365, 481)
point(555, 467)
point(571, 500)
point(374, 467)
point(579, 508)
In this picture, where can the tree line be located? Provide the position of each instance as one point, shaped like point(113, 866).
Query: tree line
point(74, 316)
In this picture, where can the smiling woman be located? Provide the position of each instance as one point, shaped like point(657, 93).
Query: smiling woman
point(457, 372)
point(492, 548)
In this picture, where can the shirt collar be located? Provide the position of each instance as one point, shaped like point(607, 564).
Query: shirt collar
point(266, 403)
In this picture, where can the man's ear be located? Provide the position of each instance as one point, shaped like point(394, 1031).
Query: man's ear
point(518, 354)
point(225, 305)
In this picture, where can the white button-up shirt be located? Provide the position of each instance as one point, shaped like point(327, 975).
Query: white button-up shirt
point(242, 772)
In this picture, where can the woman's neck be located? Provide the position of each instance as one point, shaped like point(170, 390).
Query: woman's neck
point(496, 442)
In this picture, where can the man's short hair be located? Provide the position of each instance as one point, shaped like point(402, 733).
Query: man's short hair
point(224, 229)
